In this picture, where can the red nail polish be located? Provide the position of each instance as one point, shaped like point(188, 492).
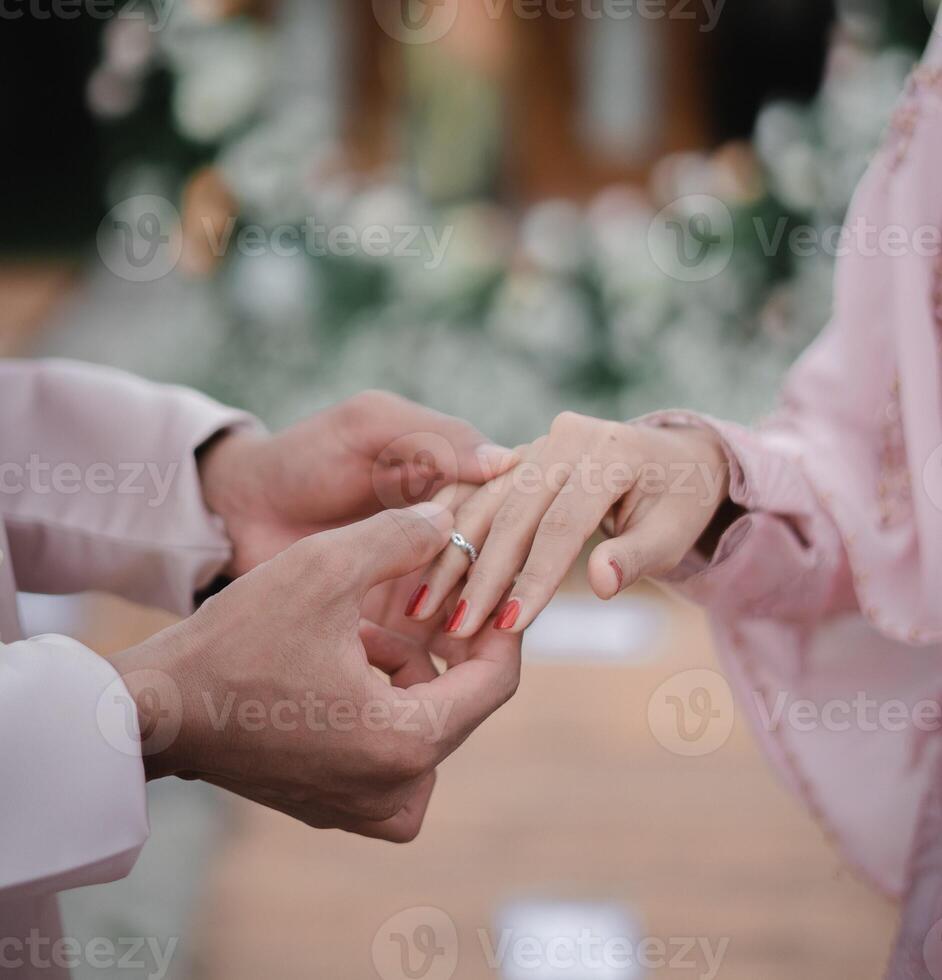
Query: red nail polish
point(619, 574)
point(417, 601)
point(507, 617)
point(457, 617)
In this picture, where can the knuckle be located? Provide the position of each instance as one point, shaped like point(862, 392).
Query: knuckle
point(511, 685)
point(383, 807)
point(481, 577)
point(613, 438)
point(508, 517)
point(533, 578)
point(372, 400)
point(403, 760)
point(557, 522)
point(567, 422)
point(417, 534)
point(333, 571)
point(406, 832)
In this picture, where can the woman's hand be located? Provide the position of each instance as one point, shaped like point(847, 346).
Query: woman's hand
point(654, 491)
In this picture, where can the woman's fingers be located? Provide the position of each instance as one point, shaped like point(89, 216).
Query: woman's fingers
point(511, 534)
point(571, 520)
point(650, 546)
point(475, 509)
point(473, 519)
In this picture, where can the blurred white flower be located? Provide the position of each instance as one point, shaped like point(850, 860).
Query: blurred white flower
point(544, 318)
point(270, 167)
point(681, 175)
point(272, 289)
point(223, 80)
point(796, 177)
point(388, 205)
point(779, 126)
point(129, 45)
point(477, 248)
point(553, 237)
point(633, 327)
point(110, 94)
point(618, 222)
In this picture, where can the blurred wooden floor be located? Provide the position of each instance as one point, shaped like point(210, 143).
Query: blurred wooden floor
point(565, 794)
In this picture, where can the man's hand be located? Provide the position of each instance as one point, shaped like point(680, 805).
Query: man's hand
point(268, 690)
point(372, 452)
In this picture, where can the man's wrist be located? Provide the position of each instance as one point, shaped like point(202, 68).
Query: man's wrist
point(228, 471)
point(157, 680)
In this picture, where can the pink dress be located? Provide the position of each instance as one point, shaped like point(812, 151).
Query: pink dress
point(827, 595)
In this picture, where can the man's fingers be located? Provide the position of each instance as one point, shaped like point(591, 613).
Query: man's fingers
point(404, 827)
point(405, 661)
point(464, 696)
point(386, 546)
point(419, 451)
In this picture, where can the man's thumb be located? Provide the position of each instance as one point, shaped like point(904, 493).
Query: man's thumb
point(396, 542)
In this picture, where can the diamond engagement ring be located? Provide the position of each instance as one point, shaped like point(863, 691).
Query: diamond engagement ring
point(460, 541)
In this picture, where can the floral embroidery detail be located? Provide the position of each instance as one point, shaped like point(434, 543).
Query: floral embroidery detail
point(905, 121)
point(894, 489)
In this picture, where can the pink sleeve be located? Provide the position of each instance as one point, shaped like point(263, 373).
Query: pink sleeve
point(824, 596)
point(784, 559)
point(99, 486)
point(72, 809)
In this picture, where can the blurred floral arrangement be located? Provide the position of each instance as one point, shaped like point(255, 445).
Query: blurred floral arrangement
point(522, 314)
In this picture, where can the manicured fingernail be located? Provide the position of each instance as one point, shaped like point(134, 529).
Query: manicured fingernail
point(457, 617)
point(507, 617)
point(417, 600)
point(619, 574)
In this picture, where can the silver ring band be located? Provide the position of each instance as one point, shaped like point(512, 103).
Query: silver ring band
point(462, 543)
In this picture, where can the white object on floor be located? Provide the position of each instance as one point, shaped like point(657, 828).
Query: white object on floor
point(546, 940)
point(586, 630)
point(64, 614)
